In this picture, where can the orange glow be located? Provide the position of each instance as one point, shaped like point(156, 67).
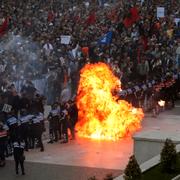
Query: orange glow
point(161, 103)
point(100, 114)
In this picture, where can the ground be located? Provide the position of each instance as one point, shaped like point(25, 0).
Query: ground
point(84, 158)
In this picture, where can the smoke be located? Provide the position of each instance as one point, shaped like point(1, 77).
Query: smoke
point(21, 56)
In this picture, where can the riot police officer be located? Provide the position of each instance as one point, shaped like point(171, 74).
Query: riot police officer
point(12, 123)
point(155, 99)
point(73, 114)
point(37, 129)
point(24, 127)
point(53, 118)
point(3, 138)
point(19, 157)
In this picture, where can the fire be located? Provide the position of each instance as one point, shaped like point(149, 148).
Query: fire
point(161, 103)
point(100, 114)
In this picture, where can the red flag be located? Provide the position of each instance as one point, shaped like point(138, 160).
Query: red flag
point(3, 27)
point(91, 18)
point(134, 14)
point(128, 22)
point(134, 17)
point(85, 51)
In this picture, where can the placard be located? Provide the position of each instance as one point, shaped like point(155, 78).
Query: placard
point(176, 20)
point(65, 39)
point(160, 12)
point(7, 108)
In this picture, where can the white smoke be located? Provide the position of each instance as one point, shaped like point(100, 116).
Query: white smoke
point(22, 55)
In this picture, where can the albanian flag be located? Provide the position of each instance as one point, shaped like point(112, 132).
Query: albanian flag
point(134, 17)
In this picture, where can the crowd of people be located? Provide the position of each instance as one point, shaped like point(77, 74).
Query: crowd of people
point(142, 50)
point(141, 47)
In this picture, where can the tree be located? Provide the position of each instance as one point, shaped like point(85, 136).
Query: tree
point(168, 159)
point(132, 171)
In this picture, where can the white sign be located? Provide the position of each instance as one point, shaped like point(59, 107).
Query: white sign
point(176, 20)
point(86, 4)
point(65, 39)
point(160, 12)
point(7, 108)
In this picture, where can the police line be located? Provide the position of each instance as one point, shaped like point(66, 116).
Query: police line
point(158, 83)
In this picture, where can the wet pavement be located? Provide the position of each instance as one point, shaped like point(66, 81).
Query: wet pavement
point(41, 171)
point(83, 158)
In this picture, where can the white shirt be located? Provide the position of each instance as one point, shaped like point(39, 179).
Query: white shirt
point(48, 48)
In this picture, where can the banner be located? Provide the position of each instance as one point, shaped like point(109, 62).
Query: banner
point(160, 12)
point(7, 108)
point(65, 39)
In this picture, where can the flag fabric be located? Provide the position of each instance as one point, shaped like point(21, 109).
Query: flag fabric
point(91, 19)
point(4, 27)
point(128, 22)
point(106, 39)
point(134, 14)
point(134, 17)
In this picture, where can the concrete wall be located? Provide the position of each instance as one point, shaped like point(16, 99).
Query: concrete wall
point(150, 143)
point(145, 150)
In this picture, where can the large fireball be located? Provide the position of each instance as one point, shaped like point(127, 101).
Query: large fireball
point(100, 114)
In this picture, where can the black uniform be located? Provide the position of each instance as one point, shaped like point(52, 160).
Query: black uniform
point(12, 123)
point(155, 99)
point(24, 129)
point(64, 120)
point(54, 126)
point(73, 114)
point(37, 129)
point(19, 155)
point(3, 138)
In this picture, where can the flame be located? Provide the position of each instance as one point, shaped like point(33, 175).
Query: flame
point(100, 114)
point(161, 103)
